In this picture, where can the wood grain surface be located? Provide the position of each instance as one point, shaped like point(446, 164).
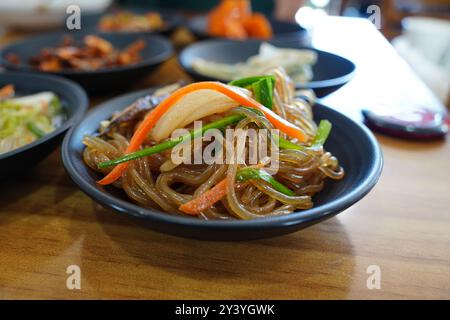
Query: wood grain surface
point(402, 226)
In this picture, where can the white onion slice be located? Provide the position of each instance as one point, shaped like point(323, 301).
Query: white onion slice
point(191, 107)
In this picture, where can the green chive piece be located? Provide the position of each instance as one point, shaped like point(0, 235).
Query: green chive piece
point(263, 90)
point(39, 133)
point(262, 87)
point(169, 144)
point(323, 131)
point(253, 173)
point(286, 144)
point(248, 81)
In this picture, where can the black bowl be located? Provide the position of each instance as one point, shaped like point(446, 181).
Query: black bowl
point(74, 101)
point(330, 72)
point(353, 144)
point(281, 29)
point(171, 19)
point(157, 50)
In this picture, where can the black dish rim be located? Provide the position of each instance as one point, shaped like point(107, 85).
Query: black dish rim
point(145, 62)
point(318, 84)
point(203, 34)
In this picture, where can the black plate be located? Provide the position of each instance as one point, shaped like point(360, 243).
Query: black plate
point(172, 19)
point(157, 50)
point(198, 25)
point(330, 72)
point(353, 144)
point(74, 101)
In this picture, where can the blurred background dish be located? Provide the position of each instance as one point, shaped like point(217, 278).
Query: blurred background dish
point(41, 14)
point(134, 19)
point(431, 36)
point(199, 27)
point(155, 51)
point(73, 104)
point(329, 72)
point(425, 45)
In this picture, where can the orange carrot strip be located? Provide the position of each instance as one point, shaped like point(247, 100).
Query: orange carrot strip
point(7, 91)
point(153, 117)
point(205, 200)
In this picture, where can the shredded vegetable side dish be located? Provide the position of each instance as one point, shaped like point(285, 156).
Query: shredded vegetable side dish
point(27, 118)
point(243, 150)
point(297, 63)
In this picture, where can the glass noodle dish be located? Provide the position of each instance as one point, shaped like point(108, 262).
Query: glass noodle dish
point(297, 63)
point(134, 149)
point(25, 119)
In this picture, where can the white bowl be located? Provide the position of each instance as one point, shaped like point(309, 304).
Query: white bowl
point(431, 36)
point(43, 14)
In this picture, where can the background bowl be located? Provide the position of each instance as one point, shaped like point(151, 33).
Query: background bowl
point(330, 72)
point(353, 144)
point(431, 36)
point(74, 101)
point(157, 50)
point(198, 26)
point(38, 15)
point(171, 19)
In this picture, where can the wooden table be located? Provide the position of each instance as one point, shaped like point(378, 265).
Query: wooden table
point(402, 226)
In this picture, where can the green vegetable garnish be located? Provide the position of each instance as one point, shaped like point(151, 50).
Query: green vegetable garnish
point(55, 105)
point(222, 123)
point(254, 173)
point(263, 91)
point(323, 131)
point(35, 130)
point(262, 87)
point(246, 82)
point(286, 144)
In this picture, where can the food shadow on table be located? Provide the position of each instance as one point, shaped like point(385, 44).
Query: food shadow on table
point(15, 190)
point(126, 246)
point(223, 262)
